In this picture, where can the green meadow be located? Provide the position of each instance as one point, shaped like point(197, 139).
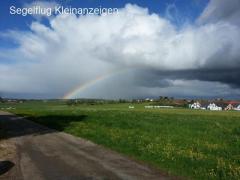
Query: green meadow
point(188, 143)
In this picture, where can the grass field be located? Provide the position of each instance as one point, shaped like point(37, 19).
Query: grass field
point(188, 143)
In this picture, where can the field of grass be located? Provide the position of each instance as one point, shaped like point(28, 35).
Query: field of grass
point(188, 143)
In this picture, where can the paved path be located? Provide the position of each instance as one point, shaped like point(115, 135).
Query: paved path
point(46, 154)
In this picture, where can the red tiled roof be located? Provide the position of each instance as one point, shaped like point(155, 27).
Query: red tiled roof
point(234, 102)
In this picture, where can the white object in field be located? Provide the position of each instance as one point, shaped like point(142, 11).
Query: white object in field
point(131, 107)
point(163, 106)
point(237, 108)
point(229, 107)
point(214, 107)
point(158, 106)
point(195, 105)
point(148, 99)
point(148, 106)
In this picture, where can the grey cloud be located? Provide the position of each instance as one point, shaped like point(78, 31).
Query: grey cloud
point(221, 10)
point(225, 76)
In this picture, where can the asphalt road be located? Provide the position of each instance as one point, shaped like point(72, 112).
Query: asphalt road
point(42, 153)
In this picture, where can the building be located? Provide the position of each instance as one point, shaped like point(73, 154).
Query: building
point(195, 105)
point(229, 107)
point(233, 105)
point(237, 108)
point(214, 107)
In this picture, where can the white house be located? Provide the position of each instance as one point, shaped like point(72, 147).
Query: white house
point(229, 107)
point(195, 105)
point(214, 107)
point(237, 108)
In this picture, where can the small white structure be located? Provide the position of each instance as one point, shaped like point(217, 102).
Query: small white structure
point(148, 107)
point(214, 107)
point(158, 107)
point(229, 107)
point(195, 105)
point(163, 107)
point(148, 99)
point(237, 108)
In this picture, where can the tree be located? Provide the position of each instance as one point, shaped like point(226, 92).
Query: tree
point(166, 98)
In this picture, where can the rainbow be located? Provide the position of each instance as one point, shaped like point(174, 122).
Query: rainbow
point(71, 94)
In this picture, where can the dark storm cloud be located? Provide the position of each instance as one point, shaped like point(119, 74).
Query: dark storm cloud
point(161, 79)
point(226, 76)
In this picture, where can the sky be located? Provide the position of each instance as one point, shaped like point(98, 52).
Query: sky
point(150, 48)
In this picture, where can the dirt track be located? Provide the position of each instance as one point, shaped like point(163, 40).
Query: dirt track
point(42, 153)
